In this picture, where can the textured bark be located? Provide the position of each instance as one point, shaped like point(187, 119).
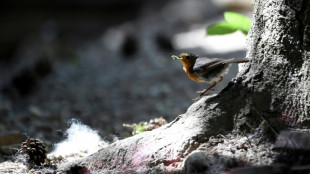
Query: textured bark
point(279, 74)
point(273, 87)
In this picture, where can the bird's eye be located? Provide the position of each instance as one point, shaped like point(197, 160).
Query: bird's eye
point(187, 57)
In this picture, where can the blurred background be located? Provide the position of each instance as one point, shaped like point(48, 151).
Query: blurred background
point(104, 62)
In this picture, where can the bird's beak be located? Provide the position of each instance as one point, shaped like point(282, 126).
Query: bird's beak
point(176, 57)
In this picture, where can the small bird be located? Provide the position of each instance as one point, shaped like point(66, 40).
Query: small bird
point(202, 69)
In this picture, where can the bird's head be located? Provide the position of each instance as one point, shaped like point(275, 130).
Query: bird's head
point(188, 60)
point(185, 57)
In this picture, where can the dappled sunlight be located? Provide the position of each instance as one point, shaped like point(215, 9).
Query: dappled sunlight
point(197, 38)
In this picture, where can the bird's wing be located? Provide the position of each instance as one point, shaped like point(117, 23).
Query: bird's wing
point(208, 64)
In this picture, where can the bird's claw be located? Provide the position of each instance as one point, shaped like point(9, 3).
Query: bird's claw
point(197, 98)
point(201, 95)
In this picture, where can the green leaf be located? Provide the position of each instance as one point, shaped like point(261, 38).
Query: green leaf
point(221, 28)
point(139, 129)
point(238, 21)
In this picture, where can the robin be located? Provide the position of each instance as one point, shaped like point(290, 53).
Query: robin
point(202, 69)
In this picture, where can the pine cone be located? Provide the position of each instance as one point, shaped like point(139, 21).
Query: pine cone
point(35, 151)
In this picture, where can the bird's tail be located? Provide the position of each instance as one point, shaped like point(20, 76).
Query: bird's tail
point(237, 60)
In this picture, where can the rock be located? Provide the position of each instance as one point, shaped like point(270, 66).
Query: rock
point(294, 150)
point(293, 140)
point(197, 163)
point(273, 169)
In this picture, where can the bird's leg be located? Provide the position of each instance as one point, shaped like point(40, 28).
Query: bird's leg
point(210, 88)
point(202, 93)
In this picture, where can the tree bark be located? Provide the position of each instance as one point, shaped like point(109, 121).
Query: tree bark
point(279, 75)
point(274, 87)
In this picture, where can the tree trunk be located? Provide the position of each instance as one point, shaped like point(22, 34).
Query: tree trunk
point(279, 75)
point(274, 87)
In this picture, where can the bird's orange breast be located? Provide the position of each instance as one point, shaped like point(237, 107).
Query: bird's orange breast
point(193, 77)
point(187, 65)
